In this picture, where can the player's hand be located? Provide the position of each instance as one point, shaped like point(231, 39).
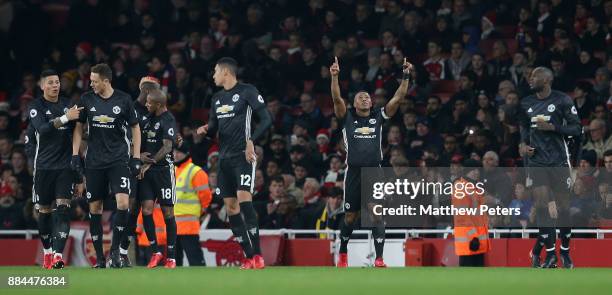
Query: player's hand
point(545, 126)
point(73, 112)
point(145, 157)
point(76, 164)
point(249, 152)
point(179, 140)
point(407, 67)
point(526, 150)
point(135, 165)
point(552, 209)
point(144, 169)
point(79, 190)
point(202, 130)
point(334, 70)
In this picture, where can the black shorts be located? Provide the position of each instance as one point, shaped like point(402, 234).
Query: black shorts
point(158, 184)
point(557, 178)
point(354, 187)
point(98, 181)
point(235, 174)
point(52, 184)
point(133, 187)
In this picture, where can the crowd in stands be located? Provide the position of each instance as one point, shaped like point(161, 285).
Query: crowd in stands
point(472, 62)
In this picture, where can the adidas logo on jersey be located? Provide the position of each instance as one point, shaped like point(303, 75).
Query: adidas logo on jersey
point(48, 112)
point(218, 102)
point(530, 110)
point(93, 109)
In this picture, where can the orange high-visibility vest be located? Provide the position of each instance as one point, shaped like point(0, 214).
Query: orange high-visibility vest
point(160, 228)
point(192, 197)
point(468, 227)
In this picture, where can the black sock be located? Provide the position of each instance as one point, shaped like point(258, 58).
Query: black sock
point(119, 228)
point(537, 247)
point(131, 229)
point(565, 234)
point(550, 240)
point(45, 229)
point(378, 233)
point(345, 235)
point(62, 227)
point(149, 227)
point(95, 229)
point(239, 231)
point(171, 236)
point(250, 219)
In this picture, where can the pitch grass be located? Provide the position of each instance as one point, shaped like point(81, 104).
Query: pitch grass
point(321, 280)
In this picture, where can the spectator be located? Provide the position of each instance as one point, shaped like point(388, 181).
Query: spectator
point(583, 100)
point(599, 141)
point(435, 62)
point(457, 62)
point(330, 215)
point(594, 37)
point(521, 202)
point(587, 65)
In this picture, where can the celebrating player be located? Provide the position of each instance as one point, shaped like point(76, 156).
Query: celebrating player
point(147, 85)
point(157, 176)
point(231, 115)
point(362, 131)
point(547, 117)
point(108, 113)
point(52, 119)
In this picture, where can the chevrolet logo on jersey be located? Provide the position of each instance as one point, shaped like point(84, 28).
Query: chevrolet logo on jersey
point(539, 118)
point(365, 132)
point(151, 134)
point(102, 120)
point(225, 111)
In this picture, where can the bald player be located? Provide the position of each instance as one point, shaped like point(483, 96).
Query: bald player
point(156, 179)
point(147, 85)
point(547, 117)
point(362, 131)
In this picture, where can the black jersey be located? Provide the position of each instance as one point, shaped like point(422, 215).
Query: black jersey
point(108, 121)
point(233, 110)
point(30, 142)
point(362, 137)
point(52, 146)
point(551, 149)
point(155, 131)
point(142, 113)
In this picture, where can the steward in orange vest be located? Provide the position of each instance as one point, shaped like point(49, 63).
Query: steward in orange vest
point(471, 230)
point(193, 196)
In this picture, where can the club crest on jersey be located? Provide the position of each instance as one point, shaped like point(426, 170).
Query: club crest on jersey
point(156, 126)
point(116, 110)
point(33, 113)
point(260, 98)
point(235, 97)
point(551, 108)
point(372, 121)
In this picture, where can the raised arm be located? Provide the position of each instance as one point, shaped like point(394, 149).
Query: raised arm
point(400, 93)
point(339, 106)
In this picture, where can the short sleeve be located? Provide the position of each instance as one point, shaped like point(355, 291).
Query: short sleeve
point(383, 114)
point(132, 115)
point(169, 130)
point(83, 114)
point(254, 99)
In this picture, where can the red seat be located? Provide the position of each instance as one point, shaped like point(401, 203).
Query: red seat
point(175, 46)
point(445, 86)
point(199, 114)
point(369, 43)
point(308, 85)
point(282, 44)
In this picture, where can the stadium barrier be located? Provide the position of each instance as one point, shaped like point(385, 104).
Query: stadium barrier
point(403, 247)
